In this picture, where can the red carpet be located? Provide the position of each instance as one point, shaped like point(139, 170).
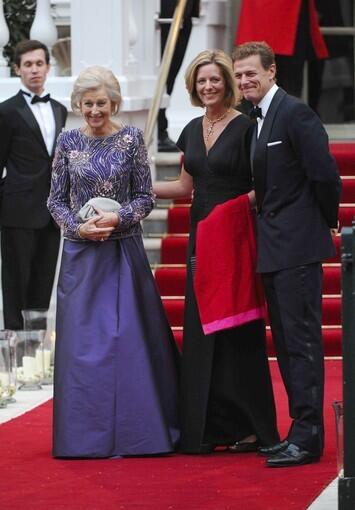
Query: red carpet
point(31, 479)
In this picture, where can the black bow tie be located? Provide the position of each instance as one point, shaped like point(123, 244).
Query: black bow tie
point(37, 99)
point(256, 112)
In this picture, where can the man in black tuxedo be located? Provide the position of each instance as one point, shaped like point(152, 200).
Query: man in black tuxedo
point(167, 9)
point(30, 122)
point(297, 190)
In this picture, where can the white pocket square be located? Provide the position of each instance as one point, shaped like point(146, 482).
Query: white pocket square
point(274, 143)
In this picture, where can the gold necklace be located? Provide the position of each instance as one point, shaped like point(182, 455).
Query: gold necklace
point(209, 131)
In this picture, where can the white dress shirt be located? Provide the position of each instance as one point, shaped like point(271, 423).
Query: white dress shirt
point(264, 105)
point(44, 115)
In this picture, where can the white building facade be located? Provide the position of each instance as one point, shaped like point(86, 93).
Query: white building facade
point(122, 35)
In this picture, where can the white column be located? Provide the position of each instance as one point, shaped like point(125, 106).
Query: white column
point(43, 29)
point(4, 39)
point(120, 35)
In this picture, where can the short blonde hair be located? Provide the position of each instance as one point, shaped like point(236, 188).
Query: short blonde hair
point(94, 78)
point(224, 62)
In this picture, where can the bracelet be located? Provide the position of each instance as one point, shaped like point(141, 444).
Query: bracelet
point(78, 232)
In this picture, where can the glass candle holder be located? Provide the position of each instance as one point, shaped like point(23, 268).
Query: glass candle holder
point(7, 367)
point(37, 320)
point(30, 359)
point(45, 359)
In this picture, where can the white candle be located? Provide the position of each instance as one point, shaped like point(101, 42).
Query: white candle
point(47, 359)
point(39, 361)
point(4, 380)
point(29, 367)
point(43, 361)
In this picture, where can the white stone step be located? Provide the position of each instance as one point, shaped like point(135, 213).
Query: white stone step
point(152, 248)
point(156, 222)
point(167, 165)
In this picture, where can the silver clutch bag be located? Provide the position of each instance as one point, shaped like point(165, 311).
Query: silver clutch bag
point(89, 208)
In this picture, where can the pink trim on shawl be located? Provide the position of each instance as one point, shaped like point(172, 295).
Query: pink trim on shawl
point(235, 320)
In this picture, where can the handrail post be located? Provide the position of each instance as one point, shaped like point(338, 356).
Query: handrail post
point(164, 70)
point(346, 483)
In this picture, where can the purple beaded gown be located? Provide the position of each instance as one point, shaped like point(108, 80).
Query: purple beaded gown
point(116, 363)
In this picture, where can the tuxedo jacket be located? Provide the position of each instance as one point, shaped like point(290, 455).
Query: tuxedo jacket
point(28, 165)
point(276, 22)
point(297, 187)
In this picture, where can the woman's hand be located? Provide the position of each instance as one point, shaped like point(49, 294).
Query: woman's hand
point(181, 188)
point(334, 231)
point(107, 219)
point(252, 199)
point(92, 231)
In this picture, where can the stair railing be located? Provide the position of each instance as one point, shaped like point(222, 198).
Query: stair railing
point(164, 70)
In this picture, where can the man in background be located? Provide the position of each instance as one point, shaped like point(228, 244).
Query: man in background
point(30, 123)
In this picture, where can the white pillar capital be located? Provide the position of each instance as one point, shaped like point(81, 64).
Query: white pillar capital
point(43, 29)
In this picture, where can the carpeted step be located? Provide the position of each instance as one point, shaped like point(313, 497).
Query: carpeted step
point(171, 280)
point(331, 310)
point(346, 215)
point(337, 245)
point(178, 336)
point(331, 279)
point(173, 250)
point(174, 308)
point(344, 154)
point(348, 189)
point(269, 343)
point(332, 337)
point(332, 340)
point(182, 201)
point(179, 219)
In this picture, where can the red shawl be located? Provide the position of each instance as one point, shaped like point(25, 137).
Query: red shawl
point(228, 290)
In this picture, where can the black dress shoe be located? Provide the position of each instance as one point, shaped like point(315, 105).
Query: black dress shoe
point(269, 451)
point(292, 456)
point(165, 144)
point(206, 448)
point(243, 447)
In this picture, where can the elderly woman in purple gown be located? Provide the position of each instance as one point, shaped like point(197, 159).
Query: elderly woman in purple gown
point(116, 364)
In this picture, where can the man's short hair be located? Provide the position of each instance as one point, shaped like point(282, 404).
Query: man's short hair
point(261, 48)
point(29, 45)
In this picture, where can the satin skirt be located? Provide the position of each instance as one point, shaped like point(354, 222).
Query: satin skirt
point(116, 362)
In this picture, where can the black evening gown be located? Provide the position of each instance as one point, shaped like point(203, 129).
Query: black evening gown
point(226, 391)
